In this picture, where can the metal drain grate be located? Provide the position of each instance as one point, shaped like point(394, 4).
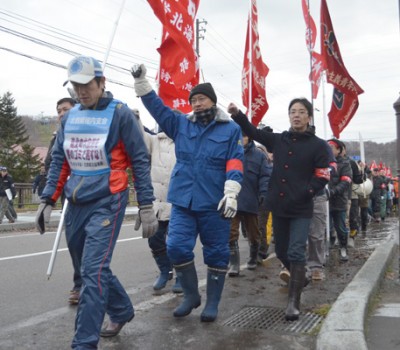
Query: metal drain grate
point(272, 319)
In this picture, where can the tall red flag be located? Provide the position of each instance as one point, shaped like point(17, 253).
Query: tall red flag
point(346, 90)
point(254, 76)
point(177, 18)
point(317, 65)
point(173, 95)
point(178, 71)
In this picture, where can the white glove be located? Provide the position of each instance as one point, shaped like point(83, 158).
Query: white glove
point(228, 204)
point(148, 220)
point(142, 85)
point(43, 216)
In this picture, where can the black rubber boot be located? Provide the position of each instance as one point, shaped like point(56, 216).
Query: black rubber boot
point(252, 262)
point(234, 259)
point(296, 285)
point(191, 298)
point(166, 274)
point(215, 285)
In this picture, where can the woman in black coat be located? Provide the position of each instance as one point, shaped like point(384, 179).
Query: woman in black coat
point(300, 170)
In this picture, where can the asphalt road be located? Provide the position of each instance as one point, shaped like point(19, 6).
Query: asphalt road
point(35, 314)
point(27, 293)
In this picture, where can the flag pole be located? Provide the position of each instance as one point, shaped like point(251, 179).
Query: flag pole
point(250, 31)
point(310, 48)
point(324, 117)
point(362, 158)
point(113, 34)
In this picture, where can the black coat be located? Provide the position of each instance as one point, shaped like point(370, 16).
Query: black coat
point(39, 183)
point(300, 168)
point(7, 182)
point(339, 185)
point(256, 175)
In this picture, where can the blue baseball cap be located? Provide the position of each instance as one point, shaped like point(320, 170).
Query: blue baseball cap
point(83, 69)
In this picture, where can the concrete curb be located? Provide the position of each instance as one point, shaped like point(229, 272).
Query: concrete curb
point(343, 328)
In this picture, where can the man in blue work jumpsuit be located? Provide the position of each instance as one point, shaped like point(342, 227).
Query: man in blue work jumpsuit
point(203, 189)
point(97, 141)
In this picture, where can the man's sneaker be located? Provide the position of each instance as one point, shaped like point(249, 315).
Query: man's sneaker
point(350, 242)
point(317, 275)
point(73, 297)
point(343, 254)
point(284, 275)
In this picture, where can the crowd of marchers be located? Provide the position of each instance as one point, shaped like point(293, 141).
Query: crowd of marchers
point(209, 174)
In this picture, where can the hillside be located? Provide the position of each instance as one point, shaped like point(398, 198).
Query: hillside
point(40, 134)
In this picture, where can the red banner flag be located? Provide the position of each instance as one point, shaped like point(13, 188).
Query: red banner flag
point(317, 66)
point(254, 71)
point(373, 165)
point(346, 90)
point(177, 18)
point(174, 96)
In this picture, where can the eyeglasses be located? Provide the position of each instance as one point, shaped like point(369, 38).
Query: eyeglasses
point(199, 100)
point(300, 112)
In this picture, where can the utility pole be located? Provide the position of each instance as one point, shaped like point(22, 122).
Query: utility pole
point(199, 30)
point(396, 107)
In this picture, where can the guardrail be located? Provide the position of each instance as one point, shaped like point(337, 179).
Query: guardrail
point(26, 199)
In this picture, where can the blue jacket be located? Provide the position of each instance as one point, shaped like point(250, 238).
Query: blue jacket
point(206, 156)
point(256, 174)
point(125, 148)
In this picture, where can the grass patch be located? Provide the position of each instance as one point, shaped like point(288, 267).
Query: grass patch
point(373, 303)
point(322, 310)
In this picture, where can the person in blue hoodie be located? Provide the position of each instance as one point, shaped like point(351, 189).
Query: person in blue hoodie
point(253, 194)
point(97, 141)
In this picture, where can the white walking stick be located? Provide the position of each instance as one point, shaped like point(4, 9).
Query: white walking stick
point(57, 240)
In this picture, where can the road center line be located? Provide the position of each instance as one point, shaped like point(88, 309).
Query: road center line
point(59, 250)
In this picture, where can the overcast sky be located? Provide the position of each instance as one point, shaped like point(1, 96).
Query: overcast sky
point(55, 30)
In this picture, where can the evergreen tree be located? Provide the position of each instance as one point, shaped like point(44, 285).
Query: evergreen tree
point(27, 166)
point(15, 154)
point(12, 132)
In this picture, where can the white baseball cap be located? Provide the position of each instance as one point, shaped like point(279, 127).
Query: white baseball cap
point(83, 69)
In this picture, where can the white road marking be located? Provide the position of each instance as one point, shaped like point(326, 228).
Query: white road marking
point(22, 256)
point(388, 310)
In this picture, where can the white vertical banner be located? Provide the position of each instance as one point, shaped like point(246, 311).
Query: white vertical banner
point(362, 150)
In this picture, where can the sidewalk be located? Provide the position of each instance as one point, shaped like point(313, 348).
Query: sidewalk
point(344, 326)
point(382, 329)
